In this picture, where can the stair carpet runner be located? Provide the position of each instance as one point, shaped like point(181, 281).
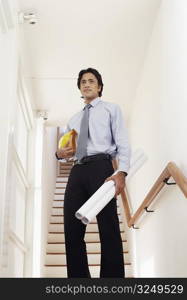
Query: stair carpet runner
point(55, 260)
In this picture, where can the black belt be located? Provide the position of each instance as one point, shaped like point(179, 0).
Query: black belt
point(90, 158)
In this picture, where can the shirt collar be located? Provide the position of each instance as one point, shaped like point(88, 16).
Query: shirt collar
point(95, 101)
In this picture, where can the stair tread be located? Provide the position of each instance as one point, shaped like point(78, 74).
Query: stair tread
point(64, 173)
point(62, 232)
point(57, 215)
point(56, 223)
point(60, 187)
point(64, 265)
point(62, 243)
point(88, 252)
point(63, 215)
point(62, 206)
point(63, 199)
point(67, 172)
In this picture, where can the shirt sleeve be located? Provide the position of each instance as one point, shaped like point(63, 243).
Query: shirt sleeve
point(120, 136)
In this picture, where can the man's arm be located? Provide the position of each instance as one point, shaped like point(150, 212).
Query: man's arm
point(120, 136)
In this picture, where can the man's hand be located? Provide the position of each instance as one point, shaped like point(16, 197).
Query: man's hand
point(66, 152)
point(119, 181)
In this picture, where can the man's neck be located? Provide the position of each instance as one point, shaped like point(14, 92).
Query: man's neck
point(88, 100)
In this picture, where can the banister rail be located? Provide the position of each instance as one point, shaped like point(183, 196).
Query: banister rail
point(171, 170)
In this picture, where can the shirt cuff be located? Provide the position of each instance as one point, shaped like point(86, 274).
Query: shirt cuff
point(124, 166)
point(57, 156)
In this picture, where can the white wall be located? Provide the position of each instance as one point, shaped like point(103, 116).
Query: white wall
point(48, 183)
point(158, 125)
point(8, 79)
point(17, 139)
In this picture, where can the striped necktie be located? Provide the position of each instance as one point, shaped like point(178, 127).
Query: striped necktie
point(83, 135)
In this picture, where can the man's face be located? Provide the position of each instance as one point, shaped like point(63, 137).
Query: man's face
point(89, 87)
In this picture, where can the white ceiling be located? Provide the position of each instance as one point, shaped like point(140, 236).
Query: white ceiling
point(109, 35)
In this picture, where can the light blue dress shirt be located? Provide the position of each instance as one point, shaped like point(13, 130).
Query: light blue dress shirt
point(107, 132)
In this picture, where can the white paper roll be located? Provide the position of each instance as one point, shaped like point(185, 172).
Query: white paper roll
point(89, 204)
point(91, 214)
point(107, 191)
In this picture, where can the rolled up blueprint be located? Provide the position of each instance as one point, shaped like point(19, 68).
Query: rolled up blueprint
point(99, 205)
point(107, 191)
point(96, 197)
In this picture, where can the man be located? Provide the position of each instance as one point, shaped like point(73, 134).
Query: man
point(106, 140)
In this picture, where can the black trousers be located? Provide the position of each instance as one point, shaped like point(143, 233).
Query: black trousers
point(83, 181)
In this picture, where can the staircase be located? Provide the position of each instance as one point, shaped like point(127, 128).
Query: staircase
point(55, 260)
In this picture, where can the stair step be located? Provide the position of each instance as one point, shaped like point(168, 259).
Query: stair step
point(61, 180)
point(64, 173)
point(60, 203)
point(59, 189)
point(87, 231)
point(62, 223)
point(59, 192)
point(60, 259)
point(61, 272)
point(70, 163)
point(61, 214)
point(56, 210)
point(91, 247)
point(87, 242)
point(90, 227)
point(58, 200)
point(60, 219)
point(58, 197)
point(65, 167)
point(92, 237)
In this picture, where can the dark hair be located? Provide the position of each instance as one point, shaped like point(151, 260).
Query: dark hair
point(95, 73)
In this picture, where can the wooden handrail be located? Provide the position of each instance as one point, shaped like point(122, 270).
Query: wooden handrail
point(171, 170)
